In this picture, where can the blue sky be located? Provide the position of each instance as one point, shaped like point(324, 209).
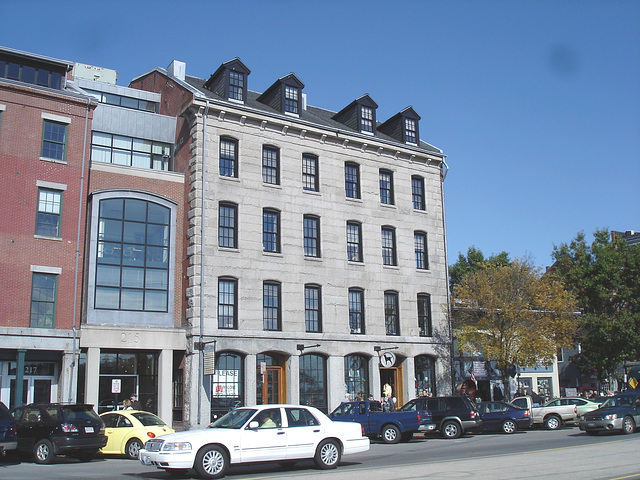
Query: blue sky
point(535, 103)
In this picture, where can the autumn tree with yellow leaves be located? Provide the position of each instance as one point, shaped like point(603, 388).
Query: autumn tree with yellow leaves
point(514, 315)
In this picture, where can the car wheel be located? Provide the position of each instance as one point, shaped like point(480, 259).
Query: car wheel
point(628, 425)
point(211, 462)
point(43, 451)
point(328, 454)
point(553, 422)
point(132, 450)
point(390, 434)
point(509, 426)
point(451, 429)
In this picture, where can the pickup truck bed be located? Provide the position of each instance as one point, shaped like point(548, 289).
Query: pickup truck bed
point(552, 417)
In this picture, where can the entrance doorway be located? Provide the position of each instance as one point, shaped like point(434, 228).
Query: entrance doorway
point(108, 400)
point(270, 380)
point(390, 378)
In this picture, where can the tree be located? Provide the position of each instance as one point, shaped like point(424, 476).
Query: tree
point(472, 263)
point(513, 315)
point(605, 278)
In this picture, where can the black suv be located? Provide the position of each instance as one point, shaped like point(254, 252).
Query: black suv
point(452, 415)
point(8, 434)
point(47, 430)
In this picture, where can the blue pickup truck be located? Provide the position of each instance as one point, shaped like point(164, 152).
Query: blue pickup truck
point(390, 427)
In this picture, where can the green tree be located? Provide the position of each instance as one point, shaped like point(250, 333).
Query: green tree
point(605, 278)
point(472, 263)
point(513, 315)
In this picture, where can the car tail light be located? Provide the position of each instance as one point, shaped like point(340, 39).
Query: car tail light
point(575, 409)
point(151, 435)
point(69, 428)
point(474, 414)
point(419, 418)
point(361, 426)
point(526, 413)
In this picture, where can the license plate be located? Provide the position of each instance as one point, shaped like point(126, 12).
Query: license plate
point(145, 460)
point(591, 425)
point(88, 429)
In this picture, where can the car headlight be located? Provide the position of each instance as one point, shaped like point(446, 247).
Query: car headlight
point(176, 447)
point(611, 416)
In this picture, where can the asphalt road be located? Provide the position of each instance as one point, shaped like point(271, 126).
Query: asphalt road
point(564, 454)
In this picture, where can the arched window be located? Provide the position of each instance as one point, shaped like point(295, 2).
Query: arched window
point(313, 381)
point(356, 376)
point(425, 371)
point(226, 384)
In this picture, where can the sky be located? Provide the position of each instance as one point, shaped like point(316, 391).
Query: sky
point(536, 104)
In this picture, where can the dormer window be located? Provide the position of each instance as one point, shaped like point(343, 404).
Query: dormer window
point(410, 130)
point(290, 99)
point(366, 119)
point(236, 86)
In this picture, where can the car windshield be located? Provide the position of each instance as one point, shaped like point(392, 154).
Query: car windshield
point(234, 419)
point(148, 419)
point(620, 401)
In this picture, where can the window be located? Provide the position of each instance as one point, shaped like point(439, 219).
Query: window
point(356, 378)
point(410, 131)
point(31, 74)
point(352, 180)
point(228, 225)
point(356, 310)
point(132, 265)
point(424, 314)
point(425, 374)
point(227, 383)
point(354, 242)
point(236, 86)
point(54, 140)
point(49, 211)
point(311, 234)
point(420, 246)
point(227, 303)
point(129, 151)
point(122, 101)
point(386, 187)
point(43, 300)
point(313, 385)
point(417, 192)
point(366, 119)
point(312, 308)
point(271, 230)
point(310, 173)
point(228, 157)
point(271, 306)
point(391, 320)
point(389, 246)
point(270, 165)
point(291, 99)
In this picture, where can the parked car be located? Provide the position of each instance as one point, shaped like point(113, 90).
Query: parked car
point(50, 429)
point(128, 430)
point(281, 433)
point(583, 406)
point(618, 413)
point(453, 416)
point(8, 432)
point(550, 416)
point(503, 417)
point(391, 427)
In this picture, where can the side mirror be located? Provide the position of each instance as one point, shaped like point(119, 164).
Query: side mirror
point(253, 425)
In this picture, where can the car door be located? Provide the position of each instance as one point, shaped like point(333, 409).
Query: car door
point(304, 433)
point(29, 427)
point(116, 427)
point(268, 441)
point(492, 415)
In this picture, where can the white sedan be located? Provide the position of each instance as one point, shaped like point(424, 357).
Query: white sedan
point(281, 433)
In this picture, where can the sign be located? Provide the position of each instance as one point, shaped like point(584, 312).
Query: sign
point(116, 385)
point(225, 383)
point(387, 359)
point(209, 362)
point(263, 367)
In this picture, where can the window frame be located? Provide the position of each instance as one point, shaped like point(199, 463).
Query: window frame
point(236, 86)
point(268, 309)
point(271, 236)
point(228, 163)
point(418, 198)
point(358, 243)
point(389, 248)
point(223, 237)
point(36, 303)
point(425, 319)
point(310, 181)
point(51, 144)
point(367, 119)
point(311, 236)
point(313, 308)
point(410, 130)
point(352, 180)
point(356, 315)
point(291, 99)
point(421, 250)
point(386, 186)
point(58, 216)
point(391, 313)
point(270, 165)
point(233, 306)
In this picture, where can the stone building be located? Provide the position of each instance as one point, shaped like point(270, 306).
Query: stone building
point(315, 258)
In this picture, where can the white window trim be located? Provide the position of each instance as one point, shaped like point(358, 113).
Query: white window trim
point(51, 185)
point(55, 118)
point(43, 269)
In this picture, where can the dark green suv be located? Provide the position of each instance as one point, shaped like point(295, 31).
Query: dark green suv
point(452, 415)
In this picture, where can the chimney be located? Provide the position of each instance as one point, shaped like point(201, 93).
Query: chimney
point(177, 69)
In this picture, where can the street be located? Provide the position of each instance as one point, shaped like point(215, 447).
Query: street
point(565, 454)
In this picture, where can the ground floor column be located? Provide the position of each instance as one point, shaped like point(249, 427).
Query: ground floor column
point(293, 380)
point(335, 379)
point(92, 376)
point(68, 385)
point(250, 380)
point(165, 385)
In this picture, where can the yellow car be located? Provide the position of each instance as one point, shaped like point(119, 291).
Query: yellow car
point(128, 430)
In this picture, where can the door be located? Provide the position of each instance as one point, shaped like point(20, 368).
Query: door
point(304, 432)
point(108, 401)
point(268, 441)
point(271, 386)
point(390, 380)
